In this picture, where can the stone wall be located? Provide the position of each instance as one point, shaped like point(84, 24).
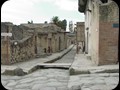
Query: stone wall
point(5, 52)
point(109, 35)
point(18, 50)
point(41, 43)
point(27, 43)
point(100, 37)
point(109, 12)
point(24, 50)
point(80, 31)
point(94, 33)
point(56, 41)
point(108, 48)
point(70, 38)
point(62, 41)
point(18, 32)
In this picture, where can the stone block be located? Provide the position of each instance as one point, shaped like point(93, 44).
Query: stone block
point(19, 72)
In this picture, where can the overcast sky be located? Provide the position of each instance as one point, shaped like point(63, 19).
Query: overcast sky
point(21, 11)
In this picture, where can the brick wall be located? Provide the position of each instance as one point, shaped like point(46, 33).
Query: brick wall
point(5, 52)
point(108, 36)
point(108, 43)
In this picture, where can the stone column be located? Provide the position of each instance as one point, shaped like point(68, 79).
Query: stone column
point(5, 46)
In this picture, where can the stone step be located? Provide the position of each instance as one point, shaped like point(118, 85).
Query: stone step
point(15, 70)
point(94, 69)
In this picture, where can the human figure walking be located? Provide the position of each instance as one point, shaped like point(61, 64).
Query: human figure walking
point(83, 49)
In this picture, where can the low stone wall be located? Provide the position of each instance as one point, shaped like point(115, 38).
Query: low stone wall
point(24, 50)
point(18, 50)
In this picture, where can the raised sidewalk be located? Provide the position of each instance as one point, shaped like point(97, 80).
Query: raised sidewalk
point(82, 65)
point(31, 65)
point(85, 75)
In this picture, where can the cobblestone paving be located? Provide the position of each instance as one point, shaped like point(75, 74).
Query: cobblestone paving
point(69, 57)
point(97, 81)
point(45, 79)
point(59, 79)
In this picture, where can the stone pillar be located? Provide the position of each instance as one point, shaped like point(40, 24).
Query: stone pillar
point(5, 46)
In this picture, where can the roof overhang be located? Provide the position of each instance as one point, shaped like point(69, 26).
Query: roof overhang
point(82, 5)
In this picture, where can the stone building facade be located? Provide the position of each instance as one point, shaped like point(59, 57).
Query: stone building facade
point(50, 38)
point(31, 40)
point(19, 47)
point(71, 38)
point(101, 36)
point(80, 36)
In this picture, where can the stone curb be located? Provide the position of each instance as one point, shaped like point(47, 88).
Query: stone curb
point(74, 71)
point(60, 56)
point(21, 72)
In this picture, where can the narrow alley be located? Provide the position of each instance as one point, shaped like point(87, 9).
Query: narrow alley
point(69, 57)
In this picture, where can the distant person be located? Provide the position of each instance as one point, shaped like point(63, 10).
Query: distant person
point(83, 49)
point(79, 47)
point(48, 49)
point(45, 50)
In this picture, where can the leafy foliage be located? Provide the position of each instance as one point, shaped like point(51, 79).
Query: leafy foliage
point(59, 23)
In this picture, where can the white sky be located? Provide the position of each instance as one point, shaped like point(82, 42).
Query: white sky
point(22, 11)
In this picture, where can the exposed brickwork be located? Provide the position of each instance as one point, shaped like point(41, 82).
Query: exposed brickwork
point(108, 43)
point(101, 38)
point(108, 35)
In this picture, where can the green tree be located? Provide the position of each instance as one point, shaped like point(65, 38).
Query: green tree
point(45, 22)
point(62, 24)
point(55, 20)
point(28, 22)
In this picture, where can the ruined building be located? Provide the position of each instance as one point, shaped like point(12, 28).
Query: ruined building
point(50, 38)
point(19, 47)
point(101, 30)
point(30, 40)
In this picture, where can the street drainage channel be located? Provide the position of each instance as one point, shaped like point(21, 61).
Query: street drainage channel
point(55, 65)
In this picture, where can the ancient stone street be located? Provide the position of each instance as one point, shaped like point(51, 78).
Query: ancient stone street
point(68, 58)
point(60, 79)
point(45, 79)
point(97, 81)
point(67, 45)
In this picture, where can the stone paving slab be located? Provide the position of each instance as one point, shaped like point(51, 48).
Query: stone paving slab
point(45, 79)
point(32, 65)
point(81, 60)
point(82, 65)
point(85, 75)
point(94, 69)
point(97, 81)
